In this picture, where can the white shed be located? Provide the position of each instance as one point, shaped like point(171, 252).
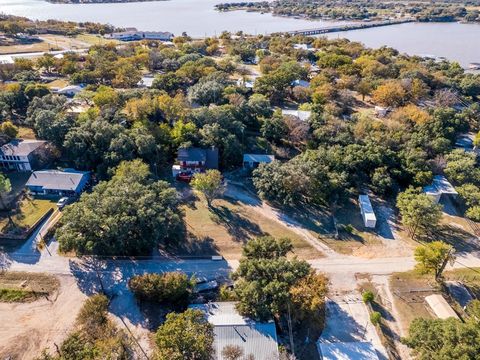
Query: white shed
point(440, 186)
point(440, 307)
point(368, 215)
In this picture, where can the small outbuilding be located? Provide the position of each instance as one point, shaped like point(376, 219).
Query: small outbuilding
point(368, 215)
point(439, 187)
point(251, 161)
point(440, 307)
point(70, 90)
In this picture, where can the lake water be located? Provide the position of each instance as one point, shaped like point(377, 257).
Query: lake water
point(460, 42)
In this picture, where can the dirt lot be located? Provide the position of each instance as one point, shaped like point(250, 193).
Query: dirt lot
point(27, 328)
point(29, 286)
point(229, 225)
point(386, 240)
point(409, 290)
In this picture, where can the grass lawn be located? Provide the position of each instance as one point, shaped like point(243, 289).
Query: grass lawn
point(25, 48)
point(228, 226)
point(59, 83)
point(25, 133)
point(23, 286)
point(95, 39)
point(409, 291)
point(28, 213)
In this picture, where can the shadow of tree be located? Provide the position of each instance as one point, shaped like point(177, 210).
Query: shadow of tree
point(461, 240)
point(239, 227)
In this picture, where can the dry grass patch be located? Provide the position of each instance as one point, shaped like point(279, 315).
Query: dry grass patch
point(225, 228)
point(25, 287)
point(409, 290)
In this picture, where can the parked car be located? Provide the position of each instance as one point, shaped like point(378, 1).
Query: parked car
point(62, 202)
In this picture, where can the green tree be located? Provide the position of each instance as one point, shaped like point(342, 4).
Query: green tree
point(209, 183)
point(420, 213)
point(265, 277)
point(432, 258)
point(128, 215)
point(462, 167)
point(5, 188)
point(169, 287)
point(443, 339)
point(8, 130)
point(185, 336)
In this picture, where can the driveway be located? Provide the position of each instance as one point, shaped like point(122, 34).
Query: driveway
point(348, 321)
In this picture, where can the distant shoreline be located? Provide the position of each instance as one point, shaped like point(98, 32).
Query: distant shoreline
point(76, 2)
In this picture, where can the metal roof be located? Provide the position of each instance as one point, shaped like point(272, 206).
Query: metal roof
point(440, 307)
point(258, 158)
point(68, 180)
point(347, 351)
point(231, 328)
point(366, 207)
point(439, 186)
point(21, 147)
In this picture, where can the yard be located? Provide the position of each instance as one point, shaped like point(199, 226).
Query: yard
point(26, 215)
point(386, 240)
point(224, 229)
point(409, 290)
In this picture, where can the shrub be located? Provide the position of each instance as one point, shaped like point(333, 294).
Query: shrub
point(170, 287)
point(368, 297)
point(375, 317)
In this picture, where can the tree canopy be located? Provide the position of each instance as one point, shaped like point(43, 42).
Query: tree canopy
point(127, 215)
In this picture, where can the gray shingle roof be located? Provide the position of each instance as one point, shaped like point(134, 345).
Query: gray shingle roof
point(192, 154)
point(21, 147)
point(68, 180)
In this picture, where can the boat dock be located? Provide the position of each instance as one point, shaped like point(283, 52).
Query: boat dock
point(348, 27)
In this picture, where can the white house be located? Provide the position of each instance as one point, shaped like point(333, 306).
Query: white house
point(20, 155)
point(368, 215)
point(70, 90)
point(301, 83)
point(381, 111)
point(251, 161)
point(303, 115)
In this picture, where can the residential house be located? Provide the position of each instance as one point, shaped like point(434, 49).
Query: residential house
point(193, 160)
point(146, 81)
point(368, 215)
point(22, 155)
point(231, 328)
point(70, 90)
point(251, 161)
point(303, 115)
point(381, 111)
point(68, 182)
point(439, 187)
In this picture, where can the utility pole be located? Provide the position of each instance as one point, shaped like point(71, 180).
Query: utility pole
point(290, 331)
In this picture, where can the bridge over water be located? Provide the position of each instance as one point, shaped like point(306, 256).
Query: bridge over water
point(347, 27)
